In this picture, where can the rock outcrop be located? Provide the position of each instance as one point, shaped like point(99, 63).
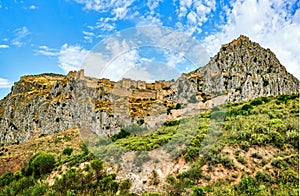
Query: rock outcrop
point(49, 103)
point(241, 70)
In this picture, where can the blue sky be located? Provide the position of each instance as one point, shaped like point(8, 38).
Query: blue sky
point(38, 36)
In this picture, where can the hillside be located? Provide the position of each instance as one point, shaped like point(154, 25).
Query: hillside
point(50, 103)
point(228, 128)
point(256, 153)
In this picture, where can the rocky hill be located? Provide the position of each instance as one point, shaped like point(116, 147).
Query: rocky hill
point(241, 70)
point(50, 103)
point(228, 128)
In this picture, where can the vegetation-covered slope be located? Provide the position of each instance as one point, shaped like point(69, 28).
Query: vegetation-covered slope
point(247, 148)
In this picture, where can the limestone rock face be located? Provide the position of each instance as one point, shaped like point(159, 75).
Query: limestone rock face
point(49, 103)
point(242, 70)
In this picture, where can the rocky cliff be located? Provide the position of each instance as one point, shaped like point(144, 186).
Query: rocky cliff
point(241, 70)
point(49, 103)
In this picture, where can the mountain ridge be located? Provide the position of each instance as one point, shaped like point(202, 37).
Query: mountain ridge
point(50, 103)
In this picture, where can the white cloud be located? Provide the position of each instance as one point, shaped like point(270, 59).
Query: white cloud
point(46, 51)
point(103, 6)
point(4, 83)
point(124, 63)
point(20, 35)
point(121, 10)
point(105, 24)
point(269, 23)
point(71, 57)
point(4, 46)
point(33, 7)
point(88, 36)
point(192, 14)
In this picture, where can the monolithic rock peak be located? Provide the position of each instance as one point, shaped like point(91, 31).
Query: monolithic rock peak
point(241, 70)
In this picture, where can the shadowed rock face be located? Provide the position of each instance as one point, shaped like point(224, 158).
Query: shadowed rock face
point(50, 103)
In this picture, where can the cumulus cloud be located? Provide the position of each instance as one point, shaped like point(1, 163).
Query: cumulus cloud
point(4, 83)
point(274, 24)
point(192, 14)
point(3, 46)
point(270, 23)
point(71, 57)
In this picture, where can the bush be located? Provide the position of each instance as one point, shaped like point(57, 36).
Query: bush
point(6, 178)
point(247, 186)
point(279, 163)
point(41, 163)
point(256, 102)
point(68, 151)
point(247, 107)
point(244, 145)
point(292, 137)
point(266, 99)
point(242, 160)
point(97, 164)
point(263, 178)
point(198, 191)
point(288, 176)
point(120, 135)
point(172, 123)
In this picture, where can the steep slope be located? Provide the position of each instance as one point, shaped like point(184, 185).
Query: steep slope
point(241, 70)
point(50, 103)
point(256, 154)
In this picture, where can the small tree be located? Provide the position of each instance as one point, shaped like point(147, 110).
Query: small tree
point(41, 163)
point(97, 165)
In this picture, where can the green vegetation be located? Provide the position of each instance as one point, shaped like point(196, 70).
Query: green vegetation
point(261, 135)
point(91, 180)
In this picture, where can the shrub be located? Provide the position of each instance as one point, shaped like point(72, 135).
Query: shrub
point(6, 178)
point(41, 163)
point(38, 189)
point(242, 160)
point(247, 186)
point(244, 145)
point(277, 139)
point(172, 123)
point(266, 99)
point(279, 163)
point(288, 176)
point(97, 164)
point(292, 137)
point(247, 107)
point(262, 177)
point(198, 191)
point(256, 102)
point(68, 151)
point(120, 135)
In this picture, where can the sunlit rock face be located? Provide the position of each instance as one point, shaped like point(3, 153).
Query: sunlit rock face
point(242, 70)
point(49, 103)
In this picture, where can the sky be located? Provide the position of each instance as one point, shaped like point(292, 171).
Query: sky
point(42, 36)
